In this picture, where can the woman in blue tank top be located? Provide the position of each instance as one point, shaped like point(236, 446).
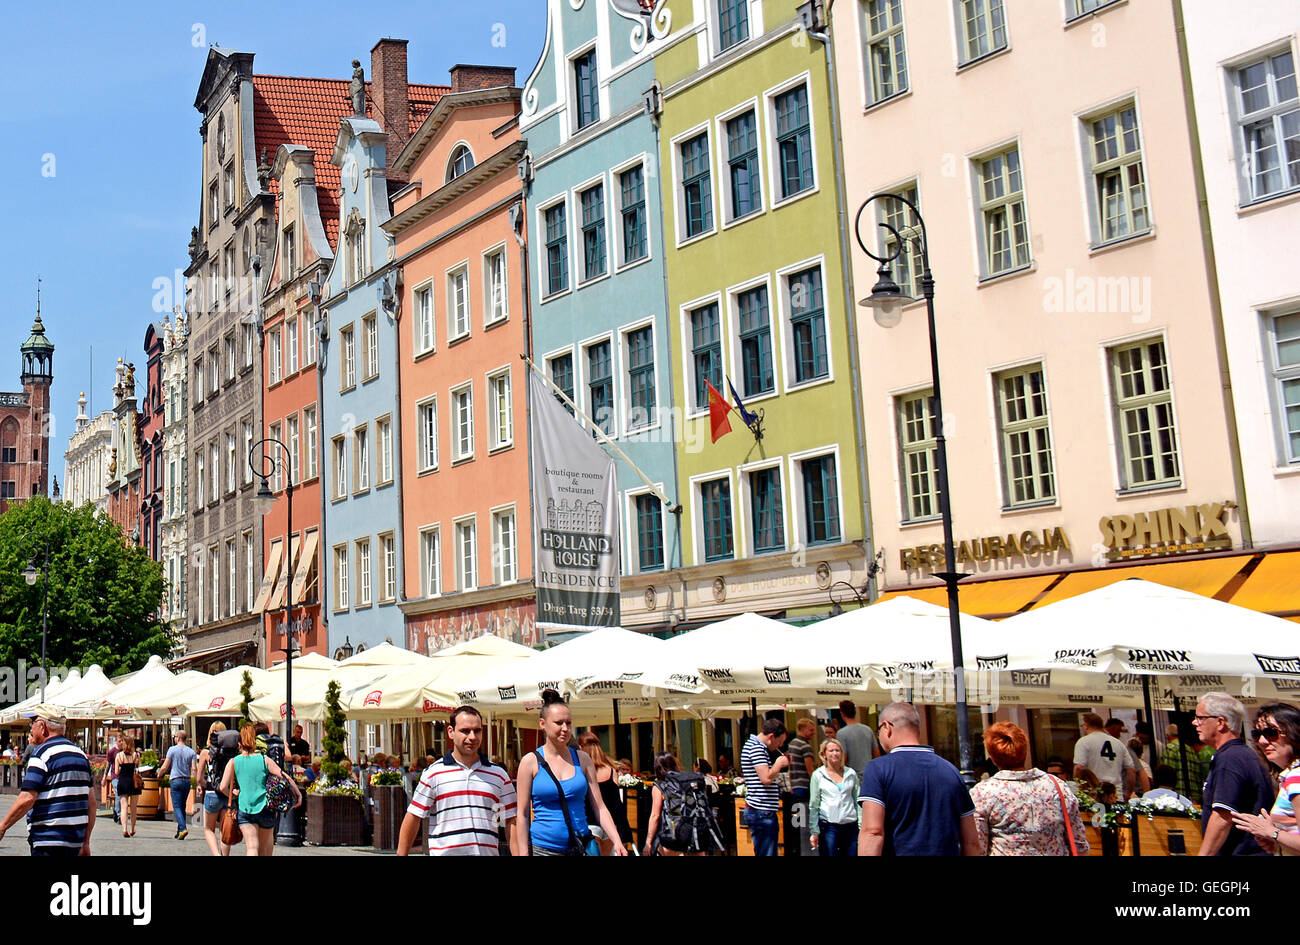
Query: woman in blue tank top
point(544, 803)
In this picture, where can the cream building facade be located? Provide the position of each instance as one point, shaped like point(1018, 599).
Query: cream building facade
point(174, 552)
point(1048, 148)
point(85, 462)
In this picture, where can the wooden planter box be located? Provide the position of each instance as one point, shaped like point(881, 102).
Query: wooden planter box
point(744, 844)
point(390, 811)
point(334, 821)
point(149, 806)
point(1149, 836)
point(167, 807)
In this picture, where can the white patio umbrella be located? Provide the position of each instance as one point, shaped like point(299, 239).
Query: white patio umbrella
point(94, 684)
point(53, 687)
point(217, 695)
point(121, 702)
point(153, 673)
point(306, 663)
point(309, 699)
point(385, 654)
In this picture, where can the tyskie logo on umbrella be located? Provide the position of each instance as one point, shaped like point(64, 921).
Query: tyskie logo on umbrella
point(777, 676)
point(1079, 697)
point(507, 693)
point(1279, 665)
point(373, 698)
point(1286, 685)
point(1032, 678)
point(992, 662)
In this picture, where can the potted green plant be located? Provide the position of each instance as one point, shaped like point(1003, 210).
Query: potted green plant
point(150, 805)
point(334, 811)
point(390, 807)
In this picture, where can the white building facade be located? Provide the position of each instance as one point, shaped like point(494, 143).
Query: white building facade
point(175, 530)
point(85, 462)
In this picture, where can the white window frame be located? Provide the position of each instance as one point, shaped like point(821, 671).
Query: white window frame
point(312, 432)
point(276, 432)
point(200, 581)
point(679, 191)
point(247, 465)
point(905, 448)
point(722, 160)
point(579, 253)
point(466, 582)
point(984, 206)
point(745, 529)
point(291, 344)
point(616, 192)
point(624, 377)
point(1006, 429)
point(292, 425)
point(494, 314)
point(250, 572)
point(339, 467)
point(347, 357)
point(425, 322)
point(731, 339)
point(756, 28)
point(772, 147)
point(633, 539)
point(426, 447)
point(1118, 407)
point(308, 341)
point(365, 573)
point(501, 574)
point(1278, 377)
point(543, 268)
point(230, 462)
point(798, 515)
point(431, 564)
point(458, 452)
point(500, 437)
point(961, 10)
point(691, 411)
point(214, 454)
point(582, 390)
point(360, 459)
point(785, 324)
point(869, 84)
point(910, 280)
point(1274, 112)
point(571, 87)
point(342, 578)
point(697, 514)
point(384, 442)
point(370, 347)
point(459, 320)
point(1093, 170)
point(232, 585)
point(388, 567)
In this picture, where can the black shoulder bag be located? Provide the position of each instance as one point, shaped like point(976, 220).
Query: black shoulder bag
point(577, 845)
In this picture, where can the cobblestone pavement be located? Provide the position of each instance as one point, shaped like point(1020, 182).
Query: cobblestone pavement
point(155, 838)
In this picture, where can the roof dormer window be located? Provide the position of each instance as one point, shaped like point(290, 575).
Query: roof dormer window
point(460, 162)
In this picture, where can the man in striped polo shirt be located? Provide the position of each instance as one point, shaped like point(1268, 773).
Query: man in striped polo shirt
point(56, 792)
point(465, 797)
point(762, 796)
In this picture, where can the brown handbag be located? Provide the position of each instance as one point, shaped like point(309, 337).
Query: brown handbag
point(137, 780)
point(230, 833)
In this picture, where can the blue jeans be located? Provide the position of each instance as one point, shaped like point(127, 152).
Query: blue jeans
point(180, 794)
point(763, 830)
point(838, 839)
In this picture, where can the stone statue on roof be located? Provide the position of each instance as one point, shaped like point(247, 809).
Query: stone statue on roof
point(358, 88)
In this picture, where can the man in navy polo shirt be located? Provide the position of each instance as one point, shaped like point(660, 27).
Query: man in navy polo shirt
point(1237, 783)
point(56, 789)
point(914, 803)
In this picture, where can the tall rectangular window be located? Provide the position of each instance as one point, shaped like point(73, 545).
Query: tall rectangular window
point(462, 408)
point(290, 256)
point(649, 533)
point(593, 231)
point(340, 450)
point(231, 366)
point(794, 141)
point(308, 342)
point(600, 386)
point(697, 189)
point(430, 563)
point(756, 373)
point(1284, 338)
point(641, 377)
point(635, 244)
point(370, 344)
point(733, 23)
point(309, 421)
point(361, 459)
point(706, 353)
point(1119, 179)
point(981, 28)
point(248, 346)
point(363, 573)
point(275, 358)
point(1005, 227)
point(458, 303)
point(231, 464)
point(215, 478)
point(505, 567)
point(426, 424)
point(1145, 412)
point(232, 581)
point(715, 505)
point(424, 324)
point(919, 456)
point(742, 159)
point(1267, 111)
point(466, 556)
point(496, 302)
point(808, 326)
point(587, 100)
point(384, 433)
point(291, 339)
point(501, 425)
point(277, 464)
point(562, 375)
point(821, 500)
point(295, 473)
point(342, 598)
point(908, 266)
point(557, 250)
point(200, 581)
point(214, 570)
point(1028, 474)
point(388, 552)
point(348, 359)
point(250, 573)
point(766, 510)
point(246, 466)
point(885, 52)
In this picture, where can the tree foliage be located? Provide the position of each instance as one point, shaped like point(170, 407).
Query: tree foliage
point(245, 697)
point(104, 590)
point(333, 742)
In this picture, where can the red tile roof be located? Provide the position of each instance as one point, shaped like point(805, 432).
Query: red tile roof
point(293, 110)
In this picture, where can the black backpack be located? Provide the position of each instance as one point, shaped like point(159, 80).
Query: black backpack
point(223, 747)
point(686, 821)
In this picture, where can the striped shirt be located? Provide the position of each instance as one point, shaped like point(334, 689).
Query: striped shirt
point(760, 796)
point(467, 805)
point(59, 775)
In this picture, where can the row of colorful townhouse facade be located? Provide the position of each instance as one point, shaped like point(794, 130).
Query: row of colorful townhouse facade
point(668, 204)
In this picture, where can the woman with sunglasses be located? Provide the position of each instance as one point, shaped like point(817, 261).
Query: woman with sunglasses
point(1277, 733)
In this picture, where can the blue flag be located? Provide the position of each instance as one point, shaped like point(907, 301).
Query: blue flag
point(746, 417)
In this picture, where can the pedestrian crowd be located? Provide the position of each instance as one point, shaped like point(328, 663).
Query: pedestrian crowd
point(874, 793)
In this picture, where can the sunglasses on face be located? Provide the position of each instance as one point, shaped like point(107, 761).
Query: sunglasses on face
point(1268, 733)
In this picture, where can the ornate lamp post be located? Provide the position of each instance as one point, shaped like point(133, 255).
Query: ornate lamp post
point(30, 574)
point(886, 301)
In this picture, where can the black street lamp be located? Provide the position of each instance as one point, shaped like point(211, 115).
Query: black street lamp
point(30, 574)
point(287, 832)
point(836, 608)
point(886, 301)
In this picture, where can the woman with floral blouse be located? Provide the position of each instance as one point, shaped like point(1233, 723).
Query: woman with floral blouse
point(1023, 812)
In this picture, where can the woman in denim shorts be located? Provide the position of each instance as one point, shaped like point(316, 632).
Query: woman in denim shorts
point(248, 773)
point(214, 802)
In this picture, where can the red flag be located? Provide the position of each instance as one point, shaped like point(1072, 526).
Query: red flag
point(718, 410)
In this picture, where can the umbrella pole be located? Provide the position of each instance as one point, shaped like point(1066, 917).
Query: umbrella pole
point(1182, 748)
point(613, 738)
point(753, 708)
point(1146, 700)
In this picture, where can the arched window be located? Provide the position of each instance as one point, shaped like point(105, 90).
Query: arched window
point(460, 162)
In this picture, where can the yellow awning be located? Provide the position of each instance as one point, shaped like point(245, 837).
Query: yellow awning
point(268, 579)
point(997, 598)
point(1205, 576)
point(1274, 587)
point(305, 561)
point(282, 581)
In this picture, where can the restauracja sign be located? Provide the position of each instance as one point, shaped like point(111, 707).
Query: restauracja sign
point(985, 549)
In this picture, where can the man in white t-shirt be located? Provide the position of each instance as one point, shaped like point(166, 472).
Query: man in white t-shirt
point(1099, 757)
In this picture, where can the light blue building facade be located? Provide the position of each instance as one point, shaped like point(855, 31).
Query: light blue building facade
point(596, 255)
point(360, 410)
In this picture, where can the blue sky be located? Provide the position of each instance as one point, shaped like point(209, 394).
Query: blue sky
point(100, 159)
